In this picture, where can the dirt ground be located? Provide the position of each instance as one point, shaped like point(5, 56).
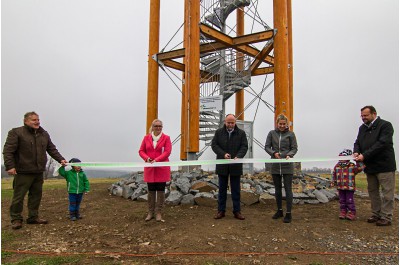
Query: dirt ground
point(113, 231)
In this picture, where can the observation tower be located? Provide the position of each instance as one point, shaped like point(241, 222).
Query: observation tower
point(217, 59)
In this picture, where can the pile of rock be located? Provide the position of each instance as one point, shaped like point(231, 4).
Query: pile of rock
point(201, 188)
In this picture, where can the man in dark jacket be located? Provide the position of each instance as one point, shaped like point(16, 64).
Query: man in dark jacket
point(229, 142)
point(25, 158)
point(374, 147)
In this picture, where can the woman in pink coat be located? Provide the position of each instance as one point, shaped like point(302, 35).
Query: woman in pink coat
point(156, 147)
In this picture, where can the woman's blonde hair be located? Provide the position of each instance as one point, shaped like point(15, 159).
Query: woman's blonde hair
point(152, 124)
point(282, 117)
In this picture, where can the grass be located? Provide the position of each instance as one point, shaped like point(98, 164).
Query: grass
point(6, 188)
point(362, 185)
point(54, 184)
point(5, 254)
point(361, 181)
point(7, 236)
point(49, 184)
point(6, 193)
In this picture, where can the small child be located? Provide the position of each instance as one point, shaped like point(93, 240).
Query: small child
point(344, 177)
point(77, 184)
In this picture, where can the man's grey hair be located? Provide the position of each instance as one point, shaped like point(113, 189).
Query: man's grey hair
point(28, 114)
point(230, 115)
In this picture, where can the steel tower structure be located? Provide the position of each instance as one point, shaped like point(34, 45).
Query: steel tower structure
point(213, 62)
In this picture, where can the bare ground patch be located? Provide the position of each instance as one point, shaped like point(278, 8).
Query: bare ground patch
point(113, 231)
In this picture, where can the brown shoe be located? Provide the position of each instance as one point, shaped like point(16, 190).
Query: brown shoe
point(37, 221)
point(219, 215)
point(373, 219)
point(383, 222)
point(16, 224)
point(159, 217)
point(239, 216)
point(149, 217)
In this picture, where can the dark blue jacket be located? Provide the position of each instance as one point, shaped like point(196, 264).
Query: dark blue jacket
point(375, 143)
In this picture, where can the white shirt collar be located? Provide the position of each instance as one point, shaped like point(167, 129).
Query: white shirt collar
point(372, 122)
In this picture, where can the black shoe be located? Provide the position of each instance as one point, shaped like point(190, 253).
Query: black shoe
point(278, 214)
point(288, 218)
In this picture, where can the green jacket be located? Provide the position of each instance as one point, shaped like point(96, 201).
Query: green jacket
point(77, 182)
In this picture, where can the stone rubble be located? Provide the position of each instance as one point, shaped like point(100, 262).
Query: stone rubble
point(201, 188)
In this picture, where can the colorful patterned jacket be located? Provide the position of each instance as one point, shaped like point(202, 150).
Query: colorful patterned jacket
point(344, 176)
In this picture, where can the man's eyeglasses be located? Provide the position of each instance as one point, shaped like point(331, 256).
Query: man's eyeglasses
point(157, 126)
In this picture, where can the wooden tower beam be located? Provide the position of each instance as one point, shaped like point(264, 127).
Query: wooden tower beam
point(185, 93)
point(239, 96)
point(192, 76)
point(152, 67)
point(281, 57)
point(290, 45)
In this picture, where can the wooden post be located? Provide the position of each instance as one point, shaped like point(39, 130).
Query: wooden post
point(239, 95)
point(281, 54)
point(192, 74)
point(185, 93)
point(290, 50)
point(152, 74)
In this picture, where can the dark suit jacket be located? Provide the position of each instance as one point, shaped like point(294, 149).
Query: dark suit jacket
point(236, 145)
point(375, 143)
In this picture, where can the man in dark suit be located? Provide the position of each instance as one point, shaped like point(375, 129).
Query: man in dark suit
point(229, 142)
point(374, 147)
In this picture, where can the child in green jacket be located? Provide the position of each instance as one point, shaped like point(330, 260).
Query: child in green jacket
point(77, 184)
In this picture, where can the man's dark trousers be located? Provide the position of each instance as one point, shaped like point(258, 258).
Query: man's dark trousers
point(235, 191)
point(22, 184)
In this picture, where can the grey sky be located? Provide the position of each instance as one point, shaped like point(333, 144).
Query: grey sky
point(82, 65)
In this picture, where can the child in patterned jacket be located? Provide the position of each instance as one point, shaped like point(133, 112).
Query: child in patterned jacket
point(77, 185)
point(344, 178)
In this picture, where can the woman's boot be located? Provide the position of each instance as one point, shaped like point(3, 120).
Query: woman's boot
point(160, 205)
point(288, 218)
point(151, 201)
point(278, 214)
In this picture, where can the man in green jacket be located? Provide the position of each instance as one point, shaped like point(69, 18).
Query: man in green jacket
point(25, 158)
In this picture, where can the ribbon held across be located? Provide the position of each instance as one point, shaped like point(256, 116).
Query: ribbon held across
point(206, 162)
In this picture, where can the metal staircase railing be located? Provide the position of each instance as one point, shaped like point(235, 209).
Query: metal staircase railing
point(221, 64)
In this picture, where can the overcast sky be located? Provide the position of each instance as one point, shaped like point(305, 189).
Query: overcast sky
point(82, 65)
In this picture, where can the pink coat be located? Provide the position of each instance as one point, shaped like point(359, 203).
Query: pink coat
point(159, 154)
